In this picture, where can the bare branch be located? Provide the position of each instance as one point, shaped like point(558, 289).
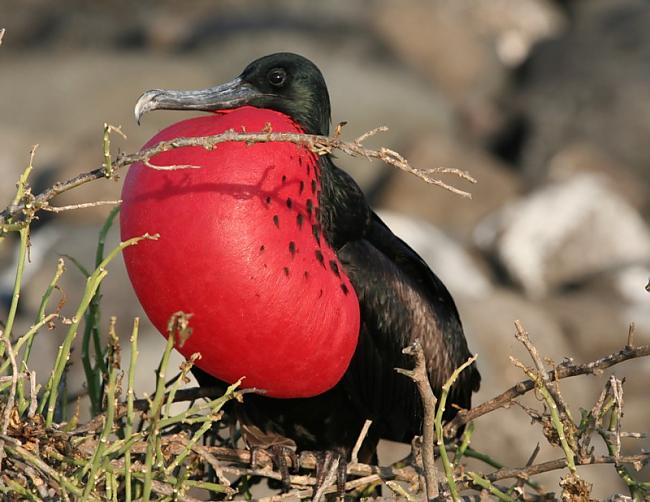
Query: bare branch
point(420, 376)
point(561, 463)
point(564, 370)
point(321, 145)
point(9, 405)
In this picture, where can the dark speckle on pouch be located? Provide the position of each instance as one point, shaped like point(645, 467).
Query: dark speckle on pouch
point(315, 229)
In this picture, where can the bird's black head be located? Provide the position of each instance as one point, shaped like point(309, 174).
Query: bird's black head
point(285, 82)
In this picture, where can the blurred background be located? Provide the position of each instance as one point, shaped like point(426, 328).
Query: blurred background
point(545, 102)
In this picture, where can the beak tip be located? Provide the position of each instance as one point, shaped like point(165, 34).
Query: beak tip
point(145, 103)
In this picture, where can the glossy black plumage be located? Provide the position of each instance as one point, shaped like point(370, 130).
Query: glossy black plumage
point(400, 298)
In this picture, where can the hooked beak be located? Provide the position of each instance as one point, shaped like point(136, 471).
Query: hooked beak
point(221, 97)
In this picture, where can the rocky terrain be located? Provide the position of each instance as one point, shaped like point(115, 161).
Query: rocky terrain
point(545, 103)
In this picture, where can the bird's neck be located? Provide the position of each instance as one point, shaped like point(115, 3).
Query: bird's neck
point(344, 212)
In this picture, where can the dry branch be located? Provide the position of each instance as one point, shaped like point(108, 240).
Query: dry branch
point(420, 377)
point(14, 216)
point(565, 370)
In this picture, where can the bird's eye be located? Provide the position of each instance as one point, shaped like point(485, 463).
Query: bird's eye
point(277, 77)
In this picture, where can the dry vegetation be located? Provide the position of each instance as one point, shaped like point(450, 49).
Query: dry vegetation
point(142, 449)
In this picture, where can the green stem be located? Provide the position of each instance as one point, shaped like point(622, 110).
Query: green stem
point(13, 488)
point(92, 283)
point(185, 368)
point(400, 491)
point(440, 435)
point(213, 406)
point(130, 415)
point(478, 480)
point(464, 444)
point(639, 491)
point(98, 458)
point(31, 459)
point(153, 439)
point(25, 338)
point(91, 329)
point(22, 253)
point(60, 268)
point(23, 229)
point(555, 419)
point(28, 338)
point(188, 447)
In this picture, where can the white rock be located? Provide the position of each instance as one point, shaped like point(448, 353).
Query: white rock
point(565, 232)
point(630, 283)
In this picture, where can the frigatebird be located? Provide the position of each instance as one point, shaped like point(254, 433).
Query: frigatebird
point(292, 278)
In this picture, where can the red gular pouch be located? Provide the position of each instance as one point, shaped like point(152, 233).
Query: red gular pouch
point(241, 249)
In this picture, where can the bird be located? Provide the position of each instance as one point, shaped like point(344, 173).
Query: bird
point(293, 280)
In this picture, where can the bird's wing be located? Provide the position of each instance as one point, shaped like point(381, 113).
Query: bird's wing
point(401, 300)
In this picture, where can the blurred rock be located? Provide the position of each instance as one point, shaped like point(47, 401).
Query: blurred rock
point(568, 94)
point(451, 263)
point(450, 212)
point(582, 157)
point(564, 232)
point(430, 36)
point(467, 48)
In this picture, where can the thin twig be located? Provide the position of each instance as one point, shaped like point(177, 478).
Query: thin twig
point(9, 405)
point(354, 457)
point(630, 335)
point(83, 205)
point(33, 395)
point(205, 454)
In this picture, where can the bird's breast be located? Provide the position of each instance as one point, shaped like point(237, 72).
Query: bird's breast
point(241, 249)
